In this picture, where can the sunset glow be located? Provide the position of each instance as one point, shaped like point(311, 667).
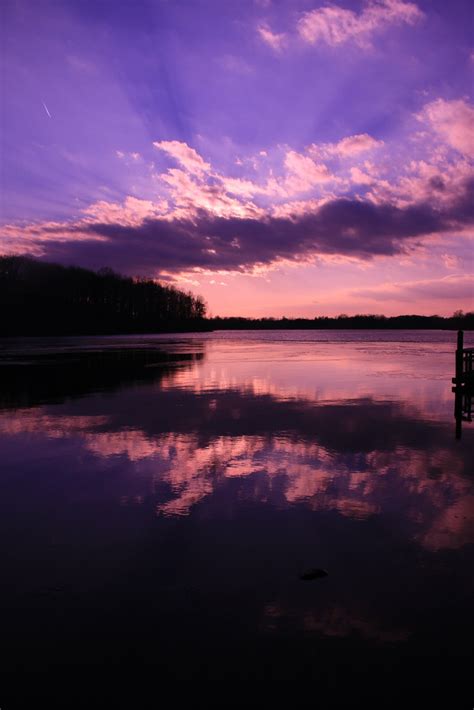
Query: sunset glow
point(278, 158)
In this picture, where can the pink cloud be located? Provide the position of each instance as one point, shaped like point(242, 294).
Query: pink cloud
point(441, 183)
point(190, 196)
point(360, 178)
point(348, 147)
point(186, 156)
point(246, 188)
point(334, 25)
point(451, 261)
point(240, 187)
point(32, 238)
point(453, 121)
point(304, 172)
point(132, 211)
point(274, 40)
point(353, 145)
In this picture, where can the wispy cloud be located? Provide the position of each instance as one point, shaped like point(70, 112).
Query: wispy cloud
point(334, 25)
point(236, 64)
point(455, 286)
point(274, 40)
point(186, 156)
point(348, 147)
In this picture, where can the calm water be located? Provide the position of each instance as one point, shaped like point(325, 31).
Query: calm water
point(161, 497)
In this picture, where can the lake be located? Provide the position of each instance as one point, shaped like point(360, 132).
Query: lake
point(161, 498)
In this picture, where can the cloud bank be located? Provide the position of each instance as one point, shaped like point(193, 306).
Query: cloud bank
point(329, 199)
point(349, 227)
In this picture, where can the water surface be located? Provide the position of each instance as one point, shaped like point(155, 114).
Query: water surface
point(161, 497)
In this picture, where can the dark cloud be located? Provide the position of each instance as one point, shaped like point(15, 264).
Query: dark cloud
point(437, 183)
point(344, 226)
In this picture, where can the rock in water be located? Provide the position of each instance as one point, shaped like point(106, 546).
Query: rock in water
point(313, 574)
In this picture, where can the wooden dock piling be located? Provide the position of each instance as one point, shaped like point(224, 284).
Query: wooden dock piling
point(463, 382)
point(459, 356)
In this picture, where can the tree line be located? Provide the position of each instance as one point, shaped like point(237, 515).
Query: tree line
point(39, 298)
point(458, 321)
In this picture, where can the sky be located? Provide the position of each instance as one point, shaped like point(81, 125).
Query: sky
point(277, 157)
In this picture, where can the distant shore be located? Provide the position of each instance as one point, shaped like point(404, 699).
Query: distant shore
point(459, 321)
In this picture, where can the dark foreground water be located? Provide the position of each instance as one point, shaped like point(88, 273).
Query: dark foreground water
point(160, 498)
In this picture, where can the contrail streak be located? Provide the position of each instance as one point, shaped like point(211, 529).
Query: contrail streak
point(46, 109)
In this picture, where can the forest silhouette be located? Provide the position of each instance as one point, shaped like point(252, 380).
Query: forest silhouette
point(39, 298)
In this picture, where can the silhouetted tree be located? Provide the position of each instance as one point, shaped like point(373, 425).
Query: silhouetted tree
point(43, 298)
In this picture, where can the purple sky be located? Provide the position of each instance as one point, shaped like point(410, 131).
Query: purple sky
point(279, 157)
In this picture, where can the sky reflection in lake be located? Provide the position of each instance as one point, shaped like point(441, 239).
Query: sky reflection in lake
point(219, 468)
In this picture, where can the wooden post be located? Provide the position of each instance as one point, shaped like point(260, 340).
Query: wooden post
point(459, 356)
point(458, 411)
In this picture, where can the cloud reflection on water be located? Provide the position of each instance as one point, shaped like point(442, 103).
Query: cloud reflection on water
point(360, 457)
point(218, 471)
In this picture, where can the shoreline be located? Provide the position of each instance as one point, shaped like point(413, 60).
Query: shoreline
point(246, 327)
